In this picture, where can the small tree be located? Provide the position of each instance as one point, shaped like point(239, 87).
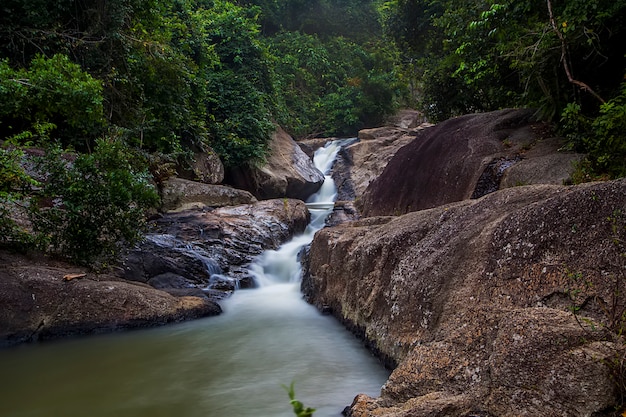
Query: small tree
point(89, 208)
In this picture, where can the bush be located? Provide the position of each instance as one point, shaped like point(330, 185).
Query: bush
point(603, 137)
point(89, 208)
point(14, 184)
point(54, 94)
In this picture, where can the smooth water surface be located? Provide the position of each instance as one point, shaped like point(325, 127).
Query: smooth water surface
point(233, 365)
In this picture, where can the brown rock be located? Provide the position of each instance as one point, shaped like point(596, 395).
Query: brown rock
point(288, 172)
point(178, 194)
point(38, 305)
point(360, 163)
point(465, 157)
point(472, 301)
point(206, 167)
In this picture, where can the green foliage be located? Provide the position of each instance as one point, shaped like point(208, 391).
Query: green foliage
point(352, 19)
point(298, 408)
point(150, 70)
point(333, 86)
point(15, 183)
point(466, 56)
point(92, 204)
point(51, 95)
point(607, 146)
point(604, 136)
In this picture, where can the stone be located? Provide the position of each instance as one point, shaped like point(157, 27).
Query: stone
point(471, 301)
point(362, 162)
point(309, 146)
point(178, 194)
point(287, 172)
point(446, 162)
point(206, 167)
point(37, 304)
point(212, 249)
point(168, 280)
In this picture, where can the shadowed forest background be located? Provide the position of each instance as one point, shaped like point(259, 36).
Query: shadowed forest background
point(124, 89)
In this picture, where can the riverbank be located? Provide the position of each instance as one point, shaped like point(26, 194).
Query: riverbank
point(45, 299)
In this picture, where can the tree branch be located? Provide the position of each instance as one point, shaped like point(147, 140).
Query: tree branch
point(566, 66)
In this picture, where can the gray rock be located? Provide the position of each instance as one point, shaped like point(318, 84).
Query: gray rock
point(447, 162)
point(213, 249)
point(288, 172)
point(178, 194)
point(471, 301)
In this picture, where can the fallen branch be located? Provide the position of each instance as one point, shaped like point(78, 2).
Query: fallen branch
point(70, 277)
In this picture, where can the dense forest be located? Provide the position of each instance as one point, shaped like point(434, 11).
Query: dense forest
point(114, 90)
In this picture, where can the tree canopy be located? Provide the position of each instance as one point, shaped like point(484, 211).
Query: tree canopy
point(168, 77)
point(563, 57)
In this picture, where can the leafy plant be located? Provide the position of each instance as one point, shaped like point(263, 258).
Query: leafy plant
point(298, 408)
point(15, 184)
point(53, 94)
point(91, 205)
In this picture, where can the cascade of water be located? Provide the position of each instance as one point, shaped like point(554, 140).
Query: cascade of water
point(282, 265)
point(230, 365)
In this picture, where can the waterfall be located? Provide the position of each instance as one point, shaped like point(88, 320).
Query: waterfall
point(229, 365)
point(282, 265)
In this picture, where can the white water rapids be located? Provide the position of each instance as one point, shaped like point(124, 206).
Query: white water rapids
point(232, 365)
point(282, 265)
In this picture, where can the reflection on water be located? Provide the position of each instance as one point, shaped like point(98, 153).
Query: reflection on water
point(231, 365)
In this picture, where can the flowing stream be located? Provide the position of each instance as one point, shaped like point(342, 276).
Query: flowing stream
point(227, 366)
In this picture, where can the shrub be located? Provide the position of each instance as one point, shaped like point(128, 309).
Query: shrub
point(603, 137)
point(14, 184)
point(53, 94)
point(89, 208)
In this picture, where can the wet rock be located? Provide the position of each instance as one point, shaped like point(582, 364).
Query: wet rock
point(168, 280)
point(212, 249)
point(288, 172)
point(489, 180)
point(178, 194)
point(467, 300)
point(37, 304)
point(309, 146)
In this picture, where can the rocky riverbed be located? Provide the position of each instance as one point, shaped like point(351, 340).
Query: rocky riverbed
point(458, 254)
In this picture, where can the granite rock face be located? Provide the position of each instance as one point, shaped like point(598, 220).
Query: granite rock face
point(467, 157)
point(471, 301)
point(287, 172)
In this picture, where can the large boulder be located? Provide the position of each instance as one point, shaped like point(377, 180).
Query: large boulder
point(466, 157)
point(211, 250)
point(287, 172)
point(179, 194)
point(206, 167)
point(362, 162)
point(472, 301)
point(44, 299)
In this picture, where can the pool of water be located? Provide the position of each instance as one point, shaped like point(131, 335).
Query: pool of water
point(231, 365)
